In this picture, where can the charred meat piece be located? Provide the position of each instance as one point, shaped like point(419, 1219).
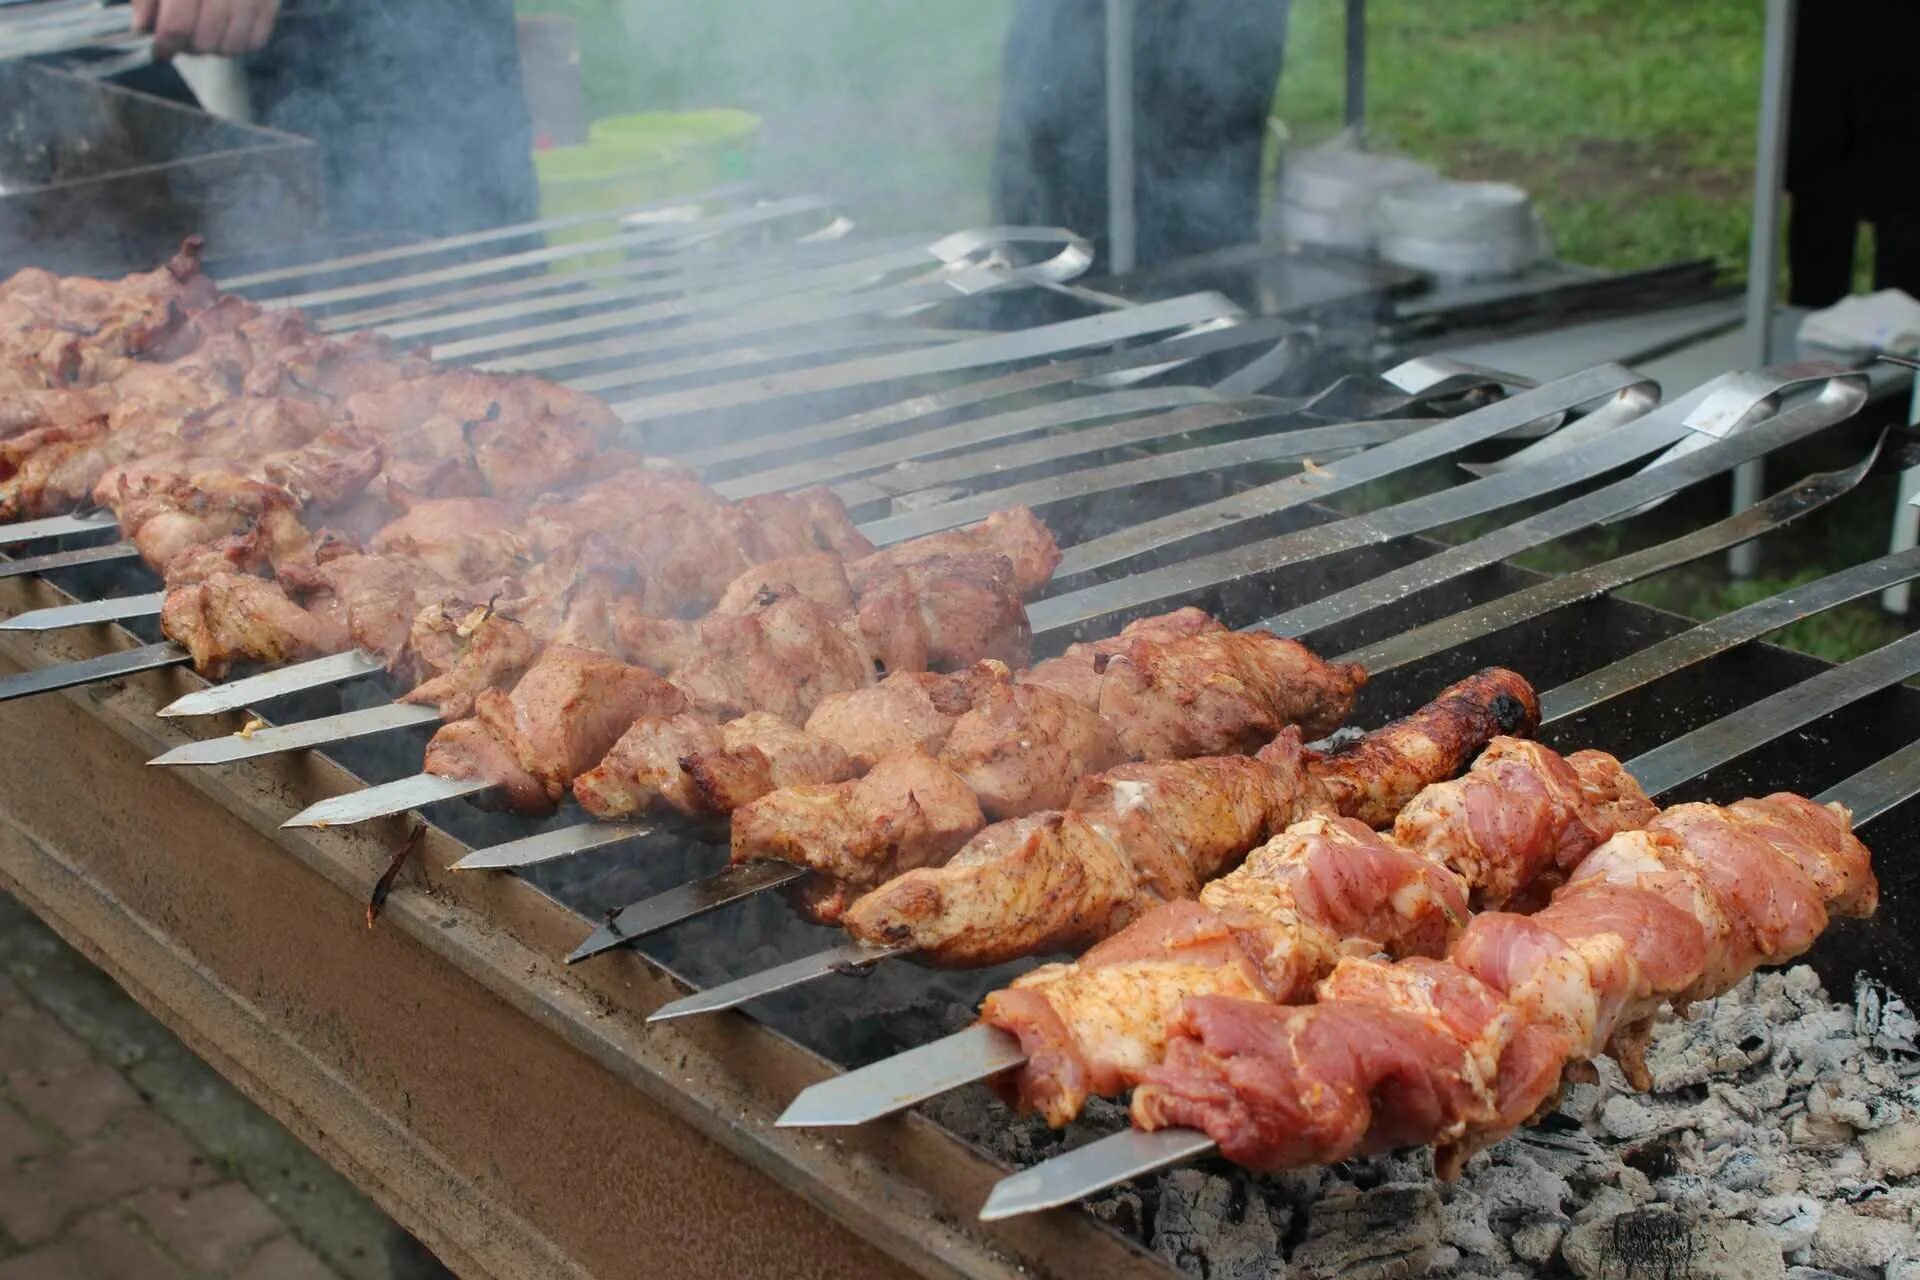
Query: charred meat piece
point(1076, 673)
point(1016, 534)
point(74, 330)
point(1221, 692)
point(783, 655)
point(1523, 812)
point(818, 576)
point(1061, 879)
point(465, 540)
point(701, 768)
point(461, 651)
point(910, 811)
point(804, 522)
point(1022, 748)
point(1169, 826)
point(378, 597)
point(1372, 778)
point(563, 715)
point(234, 616)
point(943, 613)
point(906, 711)
point(662, 644)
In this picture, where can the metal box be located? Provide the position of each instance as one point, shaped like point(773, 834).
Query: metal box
point(99, 180)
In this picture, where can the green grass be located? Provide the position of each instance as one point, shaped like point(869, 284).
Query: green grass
point(1629, 120)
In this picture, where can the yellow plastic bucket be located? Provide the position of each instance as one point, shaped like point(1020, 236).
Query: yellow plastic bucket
point(716, 146)
point(609, 176)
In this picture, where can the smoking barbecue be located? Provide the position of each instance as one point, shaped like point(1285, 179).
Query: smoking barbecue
point(594, 626)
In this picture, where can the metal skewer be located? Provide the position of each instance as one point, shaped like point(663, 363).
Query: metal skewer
point(302, 676)
point(55, 527)
point(87, 612)
point(1133, 1153)
point(387, 798)
point(68, 559)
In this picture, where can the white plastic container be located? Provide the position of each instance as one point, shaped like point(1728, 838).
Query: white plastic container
point(1328, 195)
point(1465, 230)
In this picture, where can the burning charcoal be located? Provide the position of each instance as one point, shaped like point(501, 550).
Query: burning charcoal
point(1791, 1220)
point(1883, 1019)
point(1464, 1224)
point(1742, 1171)
point(1200, 1228)
point(1722, 1039)
point(1538, 1240)
point(1383, 1234)
point(1894, 1150)
point(1855, 1244)
point(1519, 1188)
point(1630, 1119)
point(1659, 1242)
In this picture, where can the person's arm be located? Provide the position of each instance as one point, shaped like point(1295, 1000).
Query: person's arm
point(229, 27)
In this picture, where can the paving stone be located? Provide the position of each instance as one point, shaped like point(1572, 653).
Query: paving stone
point(109, 1242)
point(55, 1262)
point(78, 1103)
point(33, 1046)
point(18, 1138)
point(286, 1259)
point(209, 1228)
point(59, 994)
point(140, 1152)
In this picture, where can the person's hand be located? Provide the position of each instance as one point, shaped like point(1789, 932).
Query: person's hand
point(229, 27)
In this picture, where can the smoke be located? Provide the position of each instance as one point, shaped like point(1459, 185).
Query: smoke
point(418, 109)
point(888, 107)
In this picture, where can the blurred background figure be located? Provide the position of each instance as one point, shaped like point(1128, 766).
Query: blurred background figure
point(1205, 72)
point(417, 106)
point(1853, 148)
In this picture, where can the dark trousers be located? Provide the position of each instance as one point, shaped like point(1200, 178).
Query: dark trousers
point(417, 107)
point(1821, 231)
point(1204, 79)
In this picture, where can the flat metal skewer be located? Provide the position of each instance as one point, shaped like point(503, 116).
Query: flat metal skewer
point(68, 559)
point(385, 800)
point(234, 695)
point(56, 527)
point(109, 666)
point(87, 612)
point(548, 845)
point(247, 745)
point(849, 957)
point(1133, 1153)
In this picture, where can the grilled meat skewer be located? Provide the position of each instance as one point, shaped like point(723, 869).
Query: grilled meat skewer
point(1321, 889)
point(1148, 834)
point(848, 733)
point(1457, 1053)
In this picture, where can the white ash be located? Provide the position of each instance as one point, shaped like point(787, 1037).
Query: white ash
point(1781, 1139)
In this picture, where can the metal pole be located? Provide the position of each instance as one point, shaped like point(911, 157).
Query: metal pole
point(1121, 243)
point(1763, 249)
point(1906, 518)
point(1357, 69)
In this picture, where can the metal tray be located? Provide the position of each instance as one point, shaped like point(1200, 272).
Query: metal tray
point(101, 180)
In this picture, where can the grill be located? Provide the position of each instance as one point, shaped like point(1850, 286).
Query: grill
point(519, 1114)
